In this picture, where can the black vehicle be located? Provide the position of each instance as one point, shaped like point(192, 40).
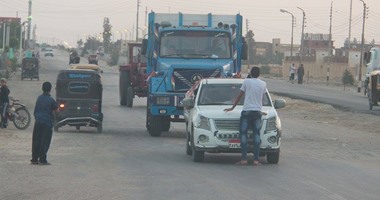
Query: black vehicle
point(373, 91)
point(30, 68)
point(93, 59)
point(74, 58)
point(79, 98)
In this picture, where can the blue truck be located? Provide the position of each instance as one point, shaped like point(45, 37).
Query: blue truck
point(181, 49)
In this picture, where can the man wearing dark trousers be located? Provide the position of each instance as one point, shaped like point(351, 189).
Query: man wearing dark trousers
point(43, 126)
point(4, 102)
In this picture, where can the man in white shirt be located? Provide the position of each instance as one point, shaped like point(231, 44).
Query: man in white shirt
point(254, 89)
point(292, 72)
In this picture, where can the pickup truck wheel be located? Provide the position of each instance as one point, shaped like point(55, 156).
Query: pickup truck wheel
point(189, 151)
point(123, 85)
point(130, 94)
point(273, 157)
point(155, 128)
point(197, 156)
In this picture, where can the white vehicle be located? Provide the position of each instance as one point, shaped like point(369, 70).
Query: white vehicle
point(210, 129)
point(49, 52)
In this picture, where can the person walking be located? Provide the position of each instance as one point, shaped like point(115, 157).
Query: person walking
point(292, 72)
point(4, 102)
point(254, 90)
point(43, 126)
point(300, 74)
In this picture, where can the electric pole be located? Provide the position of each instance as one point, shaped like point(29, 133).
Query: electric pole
point(248, 57)
point(302, 34)
point(330, 48)
point(362, 47)
point(137, 21)
point(29, 22)
point(349, 28)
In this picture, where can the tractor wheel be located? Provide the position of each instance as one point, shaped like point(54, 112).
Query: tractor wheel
point(273, 157)
point(130, 95)
point(124, 83)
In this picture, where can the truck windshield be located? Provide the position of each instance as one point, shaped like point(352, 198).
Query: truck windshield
point(195, 44)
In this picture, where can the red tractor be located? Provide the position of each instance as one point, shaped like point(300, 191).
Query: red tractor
point(133, 76)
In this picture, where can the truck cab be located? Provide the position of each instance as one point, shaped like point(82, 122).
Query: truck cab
point(182, 49)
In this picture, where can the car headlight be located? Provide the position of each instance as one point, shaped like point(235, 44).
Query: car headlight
point(203, 122)
point(163, 100)
point(271, 124)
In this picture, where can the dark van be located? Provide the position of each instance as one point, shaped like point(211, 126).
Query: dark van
point(79, 97)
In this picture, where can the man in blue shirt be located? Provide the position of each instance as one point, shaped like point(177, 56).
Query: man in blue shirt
point(43, 126)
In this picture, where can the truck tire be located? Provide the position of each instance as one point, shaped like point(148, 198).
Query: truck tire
point(165, 123)
point(130, 95)
point(273, 157)
point(124, 83)
point(155, 128)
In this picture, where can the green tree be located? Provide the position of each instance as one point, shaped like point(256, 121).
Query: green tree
point(347, 78)
point(107, 34)
point(80, 43)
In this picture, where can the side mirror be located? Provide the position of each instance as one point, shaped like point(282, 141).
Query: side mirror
point(244, 50)
point(144, 46)
point(279, 103)
point(188, 103)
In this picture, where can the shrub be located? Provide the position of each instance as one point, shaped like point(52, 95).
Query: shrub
point(347, 78)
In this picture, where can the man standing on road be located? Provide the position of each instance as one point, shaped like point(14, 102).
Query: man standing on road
point(43, 126)
point(300, 73)
point(4, 101)
point(254, 90)
point(292, 72)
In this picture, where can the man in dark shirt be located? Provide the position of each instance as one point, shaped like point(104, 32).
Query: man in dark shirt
point(4, 101)
point(43, 126)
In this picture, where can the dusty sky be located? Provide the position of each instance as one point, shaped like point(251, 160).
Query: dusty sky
point(71, 20)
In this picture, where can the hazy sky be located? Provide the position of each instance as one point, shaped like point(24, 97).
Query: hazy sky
point(70, 20)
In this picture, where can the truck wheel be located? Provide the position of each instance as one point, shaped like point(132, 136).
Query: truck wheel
point(155, 128)
point(273, 157)
point(130, 95)
point(123, 85)
point(166, 123)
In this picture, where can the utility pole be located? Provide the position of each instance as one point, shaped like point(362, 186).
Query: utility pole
point(137, 21)
point(146, 15)
point(362, 47)
point(302, 34)
point(29, 22)
point(349, 28)
point(248, 57)
point(330, 47)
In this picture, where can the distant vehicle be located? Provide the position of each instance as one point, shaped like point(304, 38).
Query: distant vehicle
point(132, 79)
point(74, 57)
point(93, 59)
point(49, 52)
point(30, 68)
point(210, 129)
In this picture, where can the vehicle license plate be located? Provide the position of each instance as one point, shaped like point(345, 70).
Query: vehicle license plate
point(234, 144)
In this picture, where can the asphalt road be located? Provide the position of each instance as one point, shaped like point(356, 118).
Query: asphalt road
point(347, 99)
point(318, 161)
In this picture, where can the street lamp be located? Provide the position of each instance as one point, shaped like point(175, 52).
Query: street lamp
point(362, 48)
point(130, 34)
point(291, 44)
